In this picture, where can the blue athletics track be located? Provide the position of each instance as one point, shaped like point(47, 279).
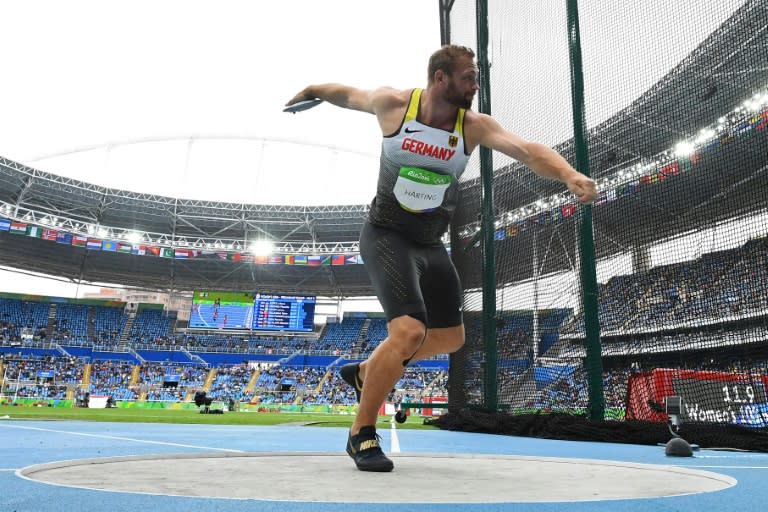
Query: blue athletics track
point(51, 466)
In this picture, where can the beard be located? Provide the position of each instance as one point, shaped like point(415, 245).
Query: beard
point(455, 97)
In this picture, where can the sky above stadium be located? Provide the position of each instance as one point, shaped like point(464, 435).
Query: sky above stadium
point(91, 73)
point(184, 97)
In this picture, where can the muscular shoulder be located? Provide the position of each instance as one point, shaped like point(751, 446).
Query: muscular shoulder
point(477, 126)
point(385, 99)
point(389, 105)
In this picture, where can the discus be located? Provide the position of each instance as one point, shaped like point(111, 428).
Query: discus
point(302, 105)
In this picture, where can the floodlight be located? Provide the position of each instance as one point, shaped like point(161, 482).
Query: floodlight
point(262, 247)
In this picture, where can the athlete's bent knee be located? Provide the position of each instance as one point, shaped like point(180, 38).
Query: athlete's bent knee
point(406, 335)
point(458, 340)
point(455, 344)
point(448, 339)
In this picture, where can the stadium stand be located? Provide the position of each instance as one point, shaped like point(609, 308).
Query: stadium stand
point(161, 365)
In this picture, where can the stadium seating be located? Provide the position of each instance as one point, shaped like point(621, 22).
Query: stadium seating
point(72, 321)
point(339, 336)
point(150, 325)
point(108, 324)
point(719, 287)
point(16, 315)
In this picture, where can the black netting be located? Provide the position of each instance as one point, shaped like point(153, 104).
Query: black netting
point(676, 104)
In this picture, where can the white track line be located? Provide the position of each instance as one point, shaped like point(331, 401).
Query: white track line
point(725, 467)
point(395, 440)
point(101, 436)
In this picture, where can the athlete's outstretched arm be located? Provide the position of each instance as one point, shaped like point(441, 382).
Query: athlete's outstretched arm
point(544, 160)
point(340, 95)
point(381, 102)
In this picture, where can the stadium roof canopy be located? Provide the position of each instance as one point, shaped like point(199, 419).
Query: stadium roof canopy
point(37, 197)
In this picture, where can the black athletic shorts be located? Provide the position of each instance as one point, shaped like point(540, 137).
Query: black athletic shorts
point(411, 279)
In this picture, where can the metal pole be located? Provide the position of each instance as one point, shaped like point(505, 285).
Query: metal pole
point(594, 363)
point(487, 220)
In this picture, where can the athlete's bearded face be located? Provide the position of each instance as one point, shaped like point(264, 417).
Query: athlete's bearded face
point(462, 84)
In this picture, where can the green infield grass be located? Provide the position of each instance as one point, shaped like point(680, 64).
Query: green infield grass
point(191, 416)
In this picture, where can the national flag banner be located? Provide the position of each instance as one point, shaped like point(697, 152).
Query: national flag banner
point(338, 259)
point(139, 250)
point(235, 256)
point(166, 252)
point(153, 251)
point(762, 121)
point(124, 248)
point(300, 259)
point(183, 254)
point(512, 230)
point(726, 139)
point(64, 238)
point(18, 228)
point(556, 215)
point(109, 245)
point(5, 224)
point(684, 164)
point(622, 190)
point(602, 198)
point(611, 194)
point(290, 259)
point(742, 128)
point(714, 143)
point(34, 231)
point(50, 234)
point(314, 261)
point(261, 259)
point(93, 244)
point(79, 241)
point(326, 260)
point(649, 179)
point(568, 210)
point(359, 259)
point(276, 259)
point(350, 259)
point(500, 234)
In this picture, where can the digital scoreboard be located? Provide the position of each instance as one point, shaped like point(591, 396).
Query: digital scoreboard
point(707, 396)
point(720, 401)
point(213, 309)
point(283, 312)
point(225, 310)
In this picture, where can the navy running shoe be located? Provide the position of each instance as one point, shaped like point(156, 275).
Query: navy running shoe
point(351, 374)
point(365, 450)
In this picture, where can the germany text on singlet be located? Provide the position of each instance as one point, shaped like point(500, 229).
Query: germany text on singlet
point(418, 186)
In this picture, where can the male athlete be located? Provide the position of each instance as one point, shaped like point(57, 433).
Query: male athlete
point(429, 135)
